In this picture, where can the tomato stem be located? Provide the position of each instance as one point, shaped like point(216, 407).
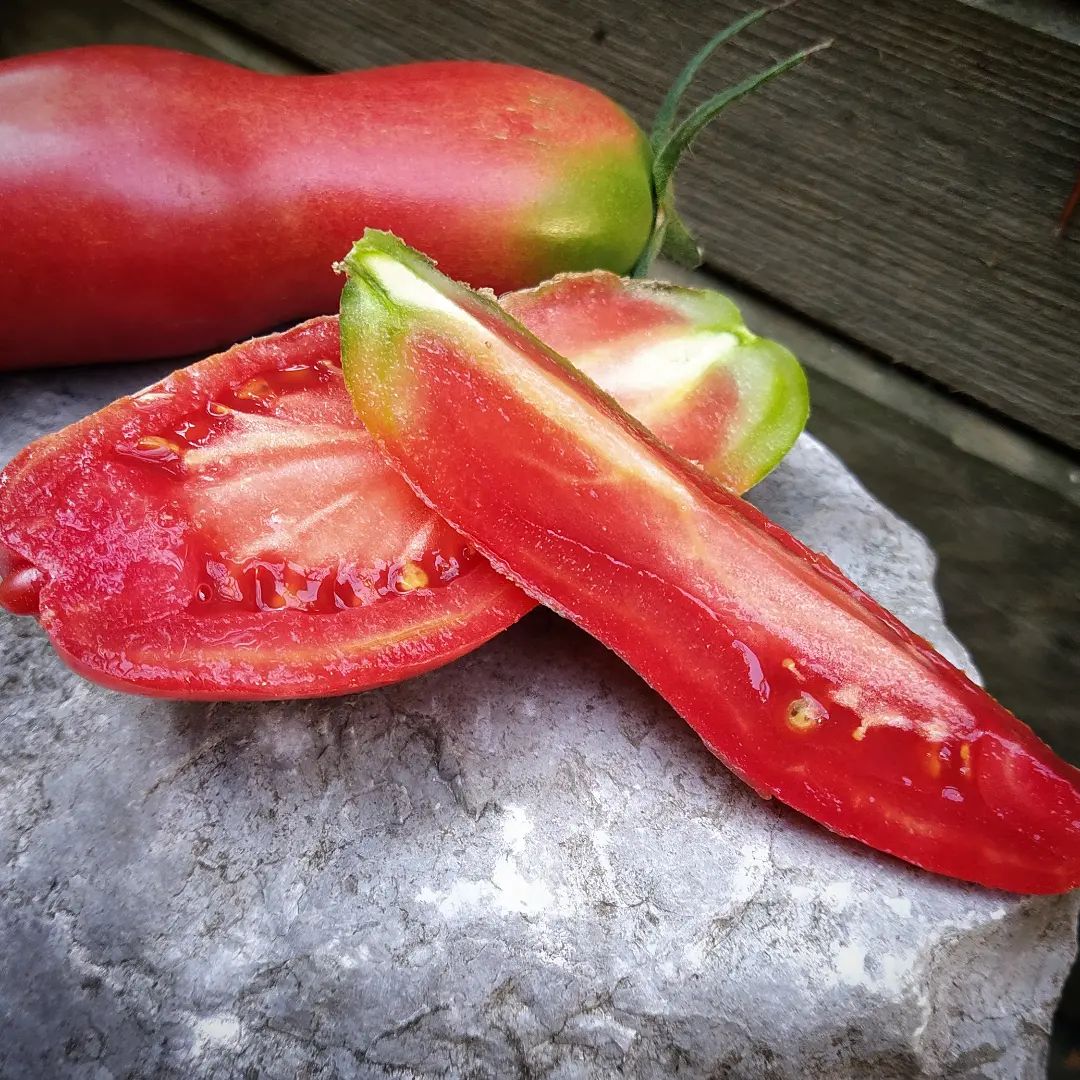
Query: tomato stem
point(670, 142)
point(665, 116)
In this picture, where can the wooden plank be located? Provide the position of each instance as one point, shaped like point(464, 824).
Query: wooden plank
point(28, 26)
point(900, 189)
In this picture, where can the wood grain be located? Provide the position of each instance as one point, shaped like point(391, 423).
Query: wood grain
point(901, 188)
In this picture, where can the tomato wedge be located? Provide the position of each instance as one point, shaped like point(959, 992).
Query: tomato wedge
point(233, 532)
point(680, 360)
point(797, 680)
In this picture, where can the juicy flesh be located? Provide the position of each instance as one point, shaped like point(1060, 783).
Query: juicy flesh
point(680, 361)
point(803, 685)
point(292, 504)
point(239, 502)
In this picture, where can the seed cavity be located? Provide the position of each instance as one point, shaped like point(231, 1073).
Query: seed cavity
point(156, 450)
point(157, 446)
point(257, 389)
point(265, 584)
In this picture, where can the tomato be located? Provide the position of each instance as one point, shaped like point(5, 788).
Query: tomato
point(682, 361)
point(151, 190)
point(797, 680)
point(233, 532)
point(178, 203)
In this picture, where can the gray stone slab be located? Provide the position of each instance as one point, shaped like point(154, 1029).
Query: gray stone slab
point(521, 865)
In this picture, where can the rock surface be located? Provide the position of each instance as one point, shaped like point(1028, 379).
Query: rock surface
point(521, 865)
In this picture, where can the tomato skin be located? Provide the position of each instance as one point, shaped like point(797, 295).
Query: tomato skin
point(178, 203)
point(796, 679)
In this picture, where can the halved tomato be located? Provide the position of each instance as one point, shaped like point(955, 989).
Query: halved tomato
point(233, 531)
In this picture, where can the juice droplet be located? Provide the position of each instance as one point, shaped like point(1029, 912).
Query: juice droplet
point(753, 669)
point(193, 432)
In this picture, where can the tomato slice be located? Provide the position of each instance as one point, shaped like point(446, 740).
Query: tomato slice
point(680, 360)
point(796, 679)
point(233, 531)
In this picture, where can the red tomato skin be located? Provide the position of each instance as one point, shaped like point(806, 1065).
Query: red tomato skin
point(157, 203)
point(804, 686)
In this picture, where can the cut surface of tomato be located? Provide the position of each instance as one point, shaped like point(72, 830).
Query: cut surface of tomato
point(798, 681)
point(234, 532)
point(680, 360)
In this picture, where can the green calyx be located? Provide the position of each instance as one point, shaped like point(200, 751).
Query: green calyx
point(669, 141)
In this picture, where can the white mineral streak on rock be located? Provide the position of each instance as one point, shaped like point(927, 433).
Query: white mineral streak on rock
point(898, 905)
point(516, 826)
point(213, 1032)
point(507, 887)
point(523, 864)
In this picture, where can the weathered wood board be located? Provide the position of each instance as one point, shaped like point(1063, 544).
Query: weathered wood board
point(901, 189)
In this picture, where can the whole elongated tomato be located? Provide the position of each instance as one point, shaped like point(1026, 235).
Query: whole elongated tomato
point(233, 532)
point(154, 203)
point(796, 679)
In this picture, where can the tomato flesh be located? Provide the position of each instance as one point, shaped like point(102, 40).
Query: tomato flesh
point(797, 680)
point(293, 505)
point(234, 532)
point(681, 361)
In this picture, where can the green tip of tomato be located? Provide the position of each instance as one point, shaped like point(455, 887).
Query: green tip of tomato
point(680, 360)
point(376, 320)
point(772, 392)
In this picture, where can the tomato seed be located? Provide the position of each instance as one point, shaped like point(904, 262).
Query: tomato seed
point(257, 389)
point(805, 713)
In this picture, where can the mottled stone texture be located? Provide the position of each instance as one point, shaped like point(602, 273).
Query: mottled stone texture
point(522, 865)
